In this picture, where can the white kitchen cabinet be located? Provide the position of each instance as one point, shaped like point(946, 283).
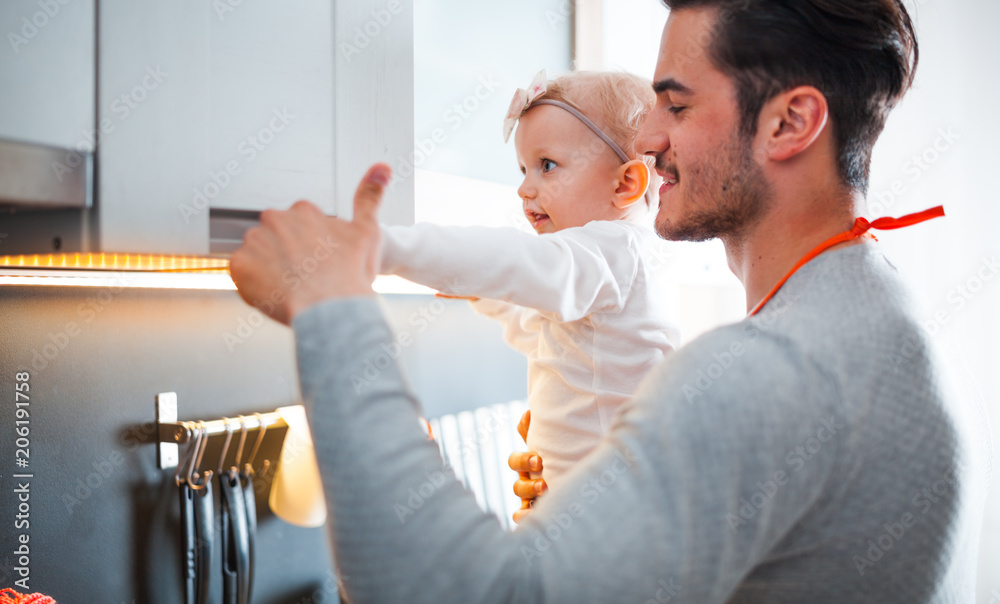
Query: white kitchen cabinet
point(207, 112)
point(265, 104)
point(47, 72)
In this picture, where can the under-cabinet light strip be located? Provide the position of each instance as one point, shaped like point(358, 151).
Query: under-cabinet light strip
point(216, 279)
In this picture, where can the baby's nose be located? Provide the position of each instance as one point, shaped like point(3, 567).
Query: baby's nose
point(525, 192)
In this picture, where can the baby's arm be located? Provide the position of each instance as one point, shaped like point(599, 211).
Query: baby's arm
point(570, 274)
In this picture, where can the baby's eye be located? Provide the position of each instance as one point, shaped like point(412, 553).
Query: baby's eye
point(548, 165)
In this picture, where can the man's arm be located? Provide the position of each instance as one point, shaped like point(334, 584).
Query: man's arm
point(570, 274)
point(659, 506)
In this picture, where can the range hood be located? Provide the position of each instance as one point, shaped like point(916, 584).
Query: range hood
point(144, 128)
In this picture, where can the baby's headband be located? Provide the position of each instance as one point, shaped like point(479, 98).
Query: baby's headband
point(526, 99)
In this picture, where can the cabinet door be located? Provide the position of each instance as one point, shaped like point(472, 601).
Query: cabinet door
point(373, 94)
point(153, 98)
point(47, 132)
point(304, 96)
point(47, 73)
point(270, 105)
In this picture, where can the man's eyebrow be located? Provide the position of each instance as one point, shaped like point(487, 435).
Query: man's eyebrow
point(672, 85)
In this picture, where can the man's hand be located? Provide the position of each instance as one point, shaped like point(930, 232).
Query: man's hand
point(524, 463)
point(299, 257)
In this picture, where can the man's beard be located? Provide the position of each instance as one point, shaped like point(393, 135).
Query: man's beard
point(728, 196)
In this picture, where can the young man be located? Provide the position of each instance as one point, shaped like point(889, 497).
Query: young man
point(819, 451)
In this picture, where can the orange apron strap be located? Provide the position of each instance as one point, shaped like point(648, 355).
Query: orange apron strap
point(886, 224)
point(860, 229)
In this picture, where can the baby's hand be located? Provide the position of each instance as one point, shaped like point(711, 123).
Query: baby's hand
point(522, 426)
point(526, 487)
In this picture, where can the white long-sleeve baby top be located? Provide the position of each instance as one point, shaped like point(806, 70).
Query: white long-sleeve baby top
point(588, 306)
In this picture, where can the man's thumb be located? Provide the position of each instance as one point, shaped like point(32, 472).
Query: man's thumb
point(369, 194)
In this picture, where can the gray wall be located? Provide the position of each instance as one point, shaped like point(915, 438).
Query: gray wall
point(458, 360)
point(103, 517)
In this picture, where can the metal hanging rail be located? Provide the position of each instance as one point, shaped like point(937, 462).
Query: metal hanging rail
point(171, 433)
point(182, 432)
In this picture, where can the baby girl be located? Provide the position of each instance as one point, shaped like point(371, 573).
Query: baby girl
point(582, 300)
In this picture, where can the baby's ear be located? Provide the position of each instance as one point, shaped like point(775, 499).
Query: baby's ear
point(633, 179)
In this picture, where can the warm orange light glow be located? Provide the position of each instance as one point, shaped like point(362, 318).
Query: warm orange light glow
point(118, 262)
point(143, 270)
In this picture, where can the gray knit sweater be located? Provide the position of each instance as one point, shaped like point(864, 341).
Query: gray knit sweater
point(821, 451)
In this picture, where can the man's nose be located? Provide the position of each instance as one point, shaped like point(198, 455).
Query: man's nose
point(652, 138)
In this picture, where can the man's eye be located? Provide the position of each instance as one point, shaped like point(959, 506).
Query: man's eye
point(675, 109)
point(548, 165)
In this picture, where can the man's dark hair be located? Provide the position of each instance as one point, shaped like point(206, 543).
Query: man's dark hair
point(861, 54)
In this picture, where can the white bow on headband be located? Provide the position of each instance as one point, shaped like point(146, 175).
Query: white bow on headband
point(521, 101)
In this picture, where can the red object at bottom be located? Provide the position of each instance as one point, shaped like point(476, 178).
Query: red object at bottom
point(9, 596)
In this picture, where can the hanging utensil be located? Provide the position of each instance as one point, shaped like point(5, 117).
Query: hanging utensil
point(204, 515)
point(243, 475)
point(205, 535)
point(236, 546)
point(235, 543)
point(188, 541)
point(187, 524)
point(250, 500)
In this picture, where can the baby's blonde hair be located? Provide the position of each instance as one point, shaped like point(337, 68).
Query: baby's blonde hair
point(616, 101)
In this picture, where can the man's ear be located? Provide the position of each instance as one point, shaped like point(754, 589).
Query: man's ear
point(633, 179)
point(792, 121)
